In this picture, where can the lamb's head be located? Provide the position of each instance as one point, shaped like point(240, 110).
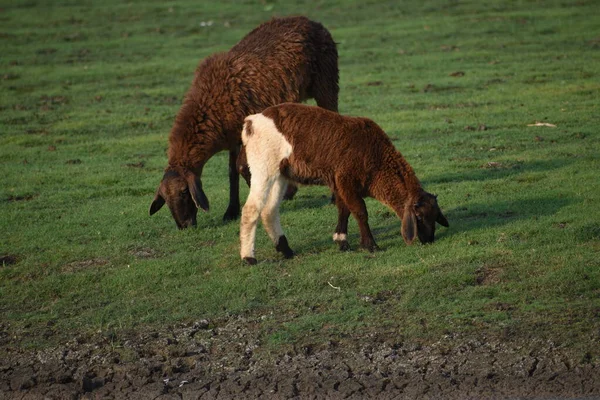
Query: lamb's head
point(420, 217)
point(183, 194)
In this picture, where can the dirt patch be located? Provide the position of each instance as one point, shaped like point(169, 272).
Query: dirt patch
point(8, 259)
point(227, 359)
point(169, 100)
point(47, 103)
point(488, 275)
point(140, 164)
point(481, 127)
point(144, 252)
point(83, 264)
point(25, 197)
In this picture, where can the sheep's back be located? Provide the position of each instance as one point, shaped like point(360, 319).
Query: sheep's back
point(328, 141)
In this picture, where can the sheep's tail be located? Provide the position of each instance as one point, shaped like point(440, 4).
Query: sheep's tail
point(247, 131)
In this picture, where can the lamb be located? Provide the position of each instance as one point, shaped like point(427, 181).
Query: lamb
point(353, 156)
point(284, 60)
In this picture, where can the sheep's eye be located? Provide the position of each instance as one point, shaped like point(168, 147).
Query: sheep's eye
point(419, 218)
point(185, 191)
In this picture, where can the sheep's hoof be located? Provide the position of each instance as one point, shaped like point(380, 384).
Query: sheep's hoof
point(344, 245)
point(250, 260)
point(283, 247)
point(231, 215)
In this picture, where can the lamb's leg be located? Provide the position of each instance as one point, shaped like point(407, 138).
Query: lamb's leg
point(341, 231)
point(362, 217)
point(233, 210)
point(358, 208)
point(270, 217)
point(259, 192)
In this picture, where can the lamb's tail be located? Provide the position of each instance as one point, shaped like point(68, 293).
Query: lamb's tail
point(247, 131)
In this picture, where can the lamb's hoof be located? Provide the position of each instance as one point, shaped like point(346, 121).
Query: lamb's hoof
point(231, 215)
point(283, 247)
point(250, 260)
point(344, 245)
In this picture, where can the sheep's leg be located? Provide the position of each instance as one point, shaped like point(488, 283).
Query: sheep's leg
point(341, 231)
point(327, 100)
point(325, 87)
point(259, 192)
point(362, 217)
point(358, 208)
point(270, 217)
point(233, 210)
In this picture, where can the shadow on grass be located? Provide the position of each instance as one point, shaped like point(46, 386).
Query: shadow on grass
point(461, 219)
point(497, 170)
point(488, 215)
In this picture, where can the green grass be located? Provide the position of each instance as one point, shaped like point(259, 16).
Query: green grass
point(88, 95)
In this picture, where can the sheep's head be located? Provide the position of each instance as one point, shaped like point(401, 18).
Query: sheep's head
point(183, 194)
point(420, 217)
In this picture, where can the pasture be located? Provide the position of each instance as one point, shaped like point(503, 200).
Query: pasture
point(495, 105)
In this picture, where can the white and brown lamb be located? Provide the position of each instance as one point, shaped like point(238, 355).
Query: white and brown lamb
point(353, 156)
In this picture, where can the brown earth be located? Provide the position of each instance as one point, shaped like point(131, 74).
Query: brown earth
point(228, 359)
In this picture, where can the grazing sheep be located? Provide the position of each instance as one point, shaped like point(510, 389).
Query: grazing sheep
point(283, 60)
point(353, 156)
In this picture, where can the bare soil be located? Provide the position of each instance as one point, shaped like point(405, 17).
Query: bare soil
point(229, 359)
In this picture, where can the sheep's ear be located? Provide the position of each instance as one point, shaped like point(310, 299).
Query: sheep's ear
point(409, 225)
point(158, 202)
point(442, 220)
point(197, 193)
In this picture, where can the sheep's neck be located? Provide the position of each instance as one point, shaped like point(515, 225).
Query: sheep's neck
point(399, 185)
point(193, 142)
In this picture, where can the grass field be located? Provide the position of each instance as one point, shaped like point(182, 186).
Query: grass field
point(89, 91)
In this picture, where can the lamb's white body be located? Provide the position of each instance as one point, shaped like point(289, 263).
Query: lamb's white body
point(265, 152)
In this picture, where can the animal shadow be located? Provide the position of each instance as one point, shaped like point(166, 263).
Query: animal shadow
point(496, 170)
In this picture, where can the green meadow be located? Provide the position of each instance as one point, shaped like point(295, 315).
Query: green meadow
point(89, 91)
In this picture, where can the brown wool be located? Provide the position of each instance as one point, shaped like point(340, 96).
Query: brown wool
point(283, 60)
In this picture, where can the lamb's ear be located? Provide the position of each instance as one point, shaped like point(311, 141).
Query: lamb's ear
point(158, 202)
point(196, 191)
point(441, 219)
point(409, 225)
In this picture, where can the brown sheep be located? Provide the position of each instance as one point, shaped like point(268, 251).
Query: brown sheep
point(284, 60)
point(353, 156)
